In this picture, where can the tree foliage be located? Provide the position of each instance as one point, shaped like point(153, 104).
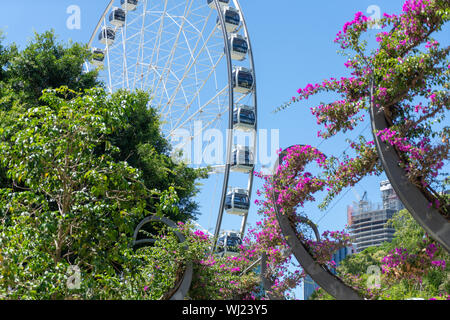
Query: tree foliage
point(68, 206)
point(46, 63)
point(140, 143)
point(79, 170)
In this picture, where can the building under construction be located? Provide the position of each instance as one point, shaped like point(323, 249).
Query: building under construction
point(367, 222)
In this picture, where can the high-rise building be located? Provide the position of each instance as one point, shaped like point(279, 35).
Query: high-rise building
point(389, 197)
point(368, 227)
point(368, 222)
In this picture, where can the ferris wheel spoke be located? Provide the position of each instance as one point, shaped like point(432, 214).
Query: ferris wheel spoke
point(168, 63)
point(201, 32)
point(183, 89)
point(141, 41)
point(191, 63)
point(125, 65)
point(191, 54)
point(195, 97)
point(157, 43)
point(200, 109)
point(212, 124)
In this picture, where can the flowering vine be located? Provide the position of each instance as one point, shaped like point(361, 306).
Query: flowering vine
point(411, 87)
point(287, 190)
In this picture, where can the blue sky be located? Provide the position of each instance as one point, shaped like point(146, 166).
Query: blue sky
point(293, 46)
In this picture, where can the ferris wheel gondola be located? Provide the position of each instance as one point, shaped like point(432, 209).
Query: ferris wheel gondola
point(242, 159)
point(237, 202)
point(242, 80)
point(129, 5)
point(232, 19)
point(98, 57)
point(229, 243)
point(239, 47)
point(117, 17)
point(107, 36)
point(244, 118)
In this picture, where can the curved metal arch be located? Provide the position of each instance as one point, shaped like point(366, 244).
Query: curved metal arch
point(322, 276)
point(312, 225)
point(266, 282)
point(412, 198)
point(181, 289)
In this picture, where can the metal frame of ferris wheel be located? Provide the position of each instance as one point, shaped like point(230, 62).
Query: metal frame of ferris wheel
point(162, 84)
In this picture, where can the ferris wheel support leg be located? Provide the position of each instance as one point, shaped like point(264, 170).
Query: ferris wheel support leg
point(243, 224)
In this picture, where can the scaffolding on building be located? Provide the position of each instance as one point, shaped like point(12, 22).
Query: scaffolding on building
point(368, 222)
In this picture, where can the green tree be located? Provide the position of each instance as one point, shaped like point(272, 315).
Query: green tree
point(72, 203)
point(358, 264)
point(140, 143)
point(214, 277)
point(74, 207)
point(46, 63)
point(6, 54)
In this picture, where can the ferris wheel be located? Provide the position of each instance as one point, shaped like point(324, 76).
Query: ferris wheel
point(196, 60)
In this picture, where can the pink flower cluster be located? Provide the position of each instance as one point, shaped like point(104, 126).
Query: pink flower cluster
point(421, 156)
point(200, 235)
point(292, 186)
point(393, 138)
point(359, 23)
point(400, 264)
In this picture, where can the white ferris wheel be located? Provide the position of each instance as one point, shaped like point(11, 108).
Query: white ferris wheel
point(196, 60)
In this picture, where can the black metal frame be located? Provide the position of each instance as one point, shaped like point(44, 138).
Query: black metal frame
point(230, 124)
point(412, 198)
point(265, 280)
point(182, 287)
point(321, 275)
